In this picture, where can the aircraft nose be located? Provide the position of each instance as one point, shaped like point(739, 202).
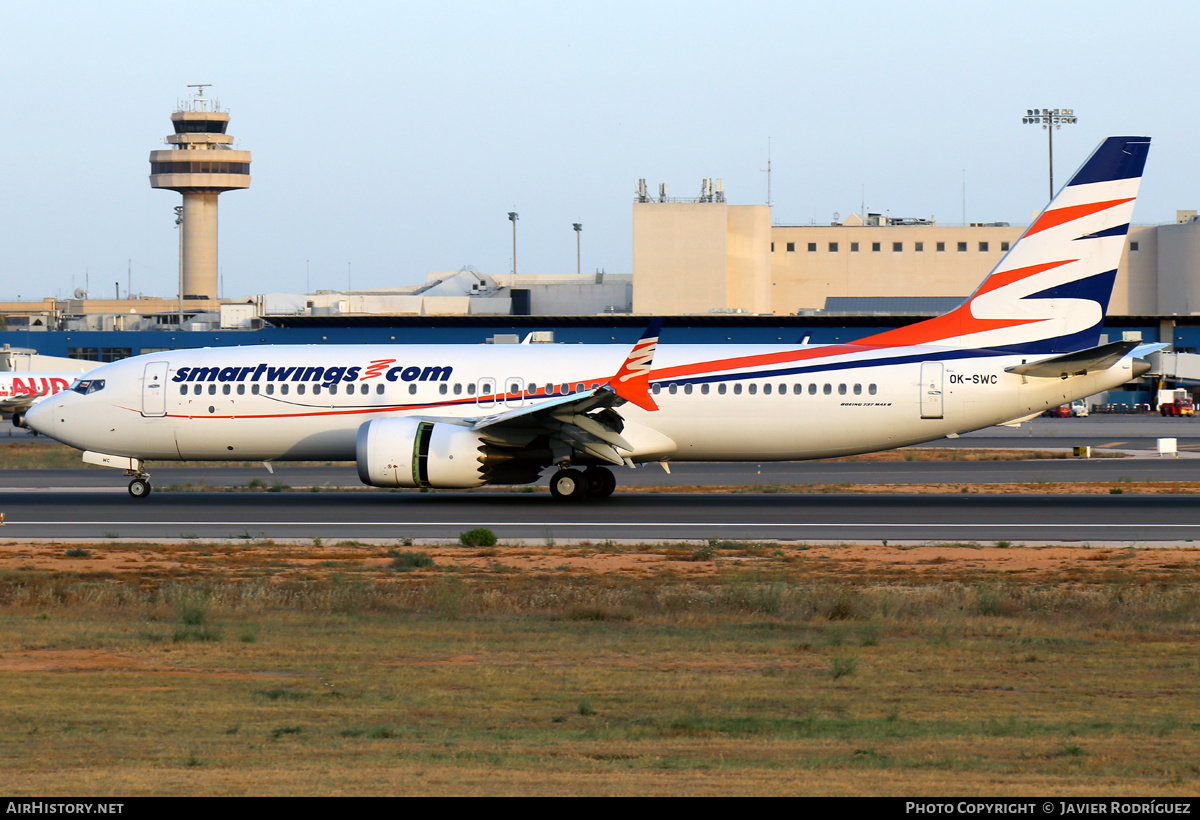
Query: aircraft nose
point(40, 417)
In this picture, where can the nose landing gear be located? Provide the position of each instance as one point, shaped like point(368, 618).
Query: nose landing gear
point(140, 486)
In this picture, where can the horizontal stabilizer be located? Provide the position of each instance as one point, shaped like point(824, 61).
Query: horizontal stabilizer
point(1076, 364)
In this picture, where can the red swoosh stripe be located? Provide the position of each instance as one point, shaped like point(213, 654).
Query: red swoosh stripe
point(1059, 216)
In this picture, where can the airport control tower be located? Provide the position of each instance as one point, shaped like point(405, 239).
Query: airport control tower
point(200, 165)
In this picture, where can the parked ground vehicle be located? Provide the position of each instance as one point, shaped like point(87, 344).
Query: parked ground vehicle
point(1176, 402)
point(1079, 408)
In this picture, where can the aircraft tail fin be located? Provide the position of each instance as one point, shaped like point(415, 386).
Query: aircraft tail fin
point(632, 381)
point(1050, 292)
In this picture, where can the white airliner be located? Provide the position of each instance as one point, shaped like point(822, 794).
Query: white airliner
point(455, 416)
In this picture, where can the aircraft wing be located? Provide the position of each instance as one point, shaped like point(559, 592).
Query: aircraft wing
point(10, 403)
point(584, 421)
point(1076, 364)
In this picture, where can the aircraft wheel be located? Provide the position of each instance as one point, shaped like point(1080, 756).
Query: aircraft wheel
point(600, 482)
point(139, 488)
point(568, 485)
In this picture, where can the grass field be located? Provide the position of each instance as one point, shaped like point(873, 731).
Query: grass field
point(719, 668)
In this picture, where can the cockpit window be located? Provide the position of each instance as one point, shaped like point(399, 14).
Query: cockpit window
point(86, 386)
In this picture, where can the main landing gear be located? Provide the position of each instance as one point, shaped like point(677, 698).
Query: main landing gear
point(573, 485)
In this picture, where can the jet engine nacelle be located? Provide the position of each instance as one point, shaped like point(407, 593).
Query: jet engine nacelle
point(411, 452)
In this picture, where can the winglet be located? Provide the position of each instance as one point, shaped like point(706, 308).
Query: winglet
point(632, 381)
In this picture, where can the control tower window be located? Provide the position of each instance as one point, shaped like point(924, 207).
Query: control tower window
point(200, 126)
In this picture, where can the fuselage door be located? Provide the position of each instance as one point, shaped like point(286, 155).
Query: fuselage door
point(931, 389)
point(485, 395)
point(154, 390)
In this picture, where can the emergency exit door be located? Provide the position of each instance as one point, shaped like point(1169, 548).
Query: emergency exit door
point(932, 374)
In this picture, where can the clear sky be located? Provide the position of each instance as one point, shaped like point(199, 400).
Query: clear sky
point(392, 138)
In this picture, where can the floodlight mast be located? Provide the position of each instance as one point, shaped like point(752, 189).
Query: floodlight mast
point(578, 226)
point(1050, 119)
point(513, 217)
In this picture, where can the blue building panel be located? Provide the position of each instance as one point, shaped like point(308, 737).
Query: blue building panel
point(111, 345)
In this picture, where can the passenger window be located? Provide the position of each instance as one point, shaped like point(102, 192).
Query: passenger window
point(471, 389)
point(299, 390)
point(270, 390)
point(871, 390)
point(721, 388)
point(378, 389)
point(687, 389)
point(737, 389)
point(858, 389)
point(225, 389)
point(283, 389)
point(704, 389)
point(656, 389)
point(766, 389)
point(241, 389)
point(797, 389)
point(841, 389)
point(316, 390)
point(812, 389)
point(782, 389)
point(443, 389)
point(183, 390)
point(829, 390)
point(212, 390)
point(753, 389)
point(333, 389)
point(674, 388)
point(412, 390)
point(458, 389)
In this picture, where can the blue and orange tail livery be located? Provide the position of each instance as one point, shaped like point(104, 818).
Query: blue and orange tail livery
point(632, 381)
point(1049, 294)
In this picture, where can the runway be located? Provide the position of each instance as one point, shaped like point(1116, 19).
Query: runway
point(649, 516)
point(93, 503)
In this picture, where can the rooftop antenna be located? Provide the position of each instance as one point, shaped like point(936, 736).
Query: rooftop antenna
point(769, 202)
point(200, 100)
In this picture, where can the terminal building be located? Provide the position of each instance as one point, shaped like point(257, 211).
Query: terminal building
point(699, 255)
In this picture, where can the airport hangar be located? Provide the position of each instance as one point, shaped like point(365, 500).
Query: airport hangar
point(722, 273)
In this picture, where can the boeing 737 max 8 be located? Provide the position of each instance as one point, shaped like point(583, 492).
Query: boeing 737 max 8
point(457, 416)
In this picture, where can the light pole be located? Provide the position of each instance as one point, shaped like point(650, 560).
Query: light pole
point(1050, 119)
point(512, 217)
point(578, 226)
point(179, 227)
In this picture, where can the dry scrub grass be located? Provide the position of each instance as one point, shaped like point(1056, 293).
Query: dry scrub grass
point(698, 668)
